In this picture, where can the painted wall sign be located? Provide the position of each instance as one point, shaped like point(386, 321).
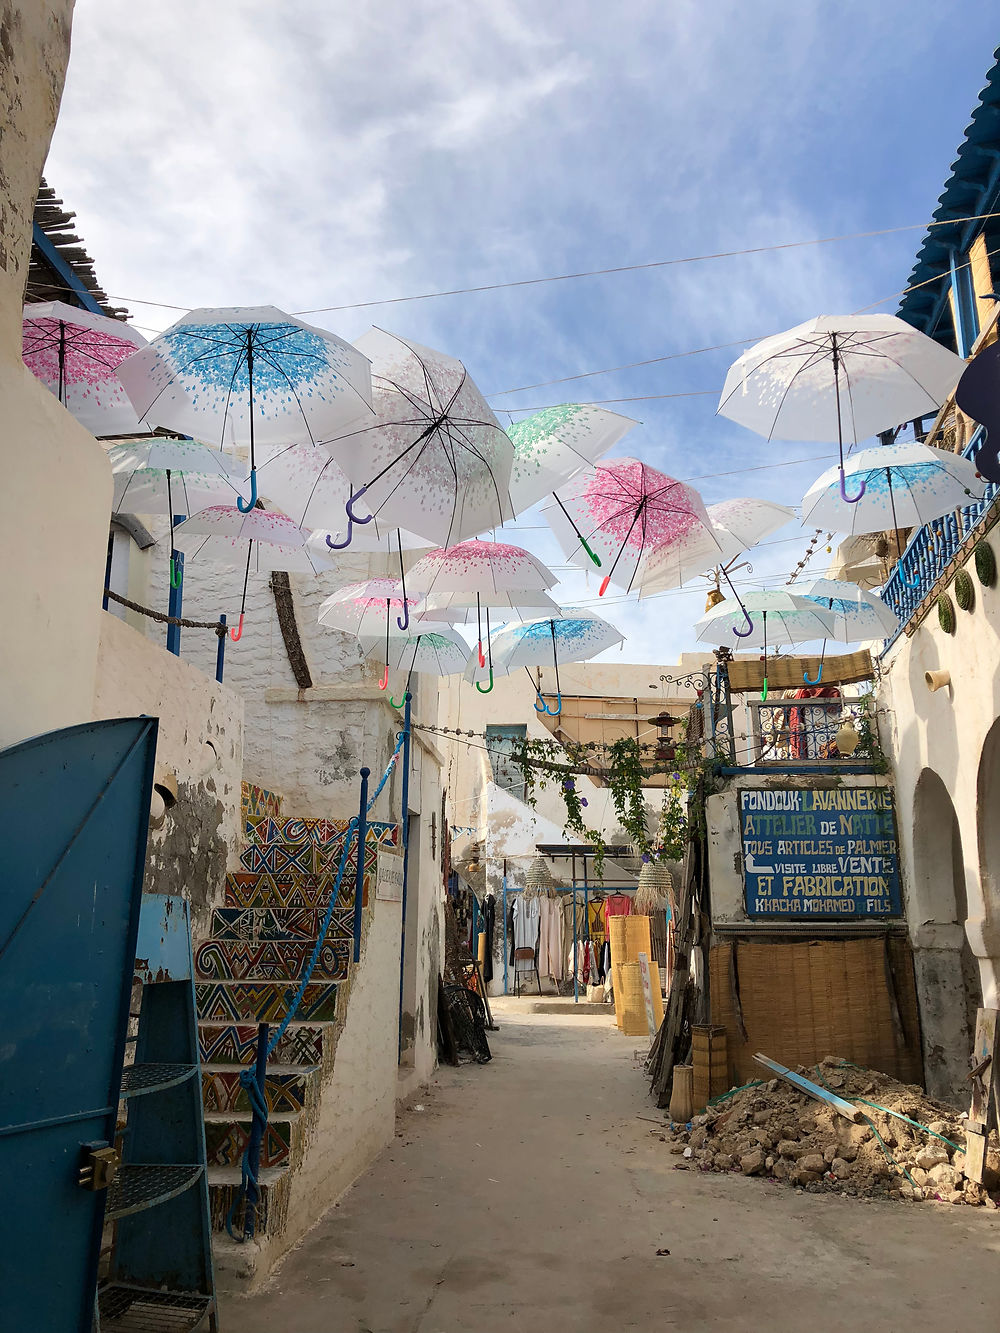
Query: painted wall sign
point(389, 878)
point(827, 853)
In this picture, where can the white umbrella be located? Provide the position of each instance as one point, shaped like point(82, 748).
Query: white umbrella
point(163, 476)
point(75, 353)
point(837, 377)
point(245, 376)
point(857, 615)
point(764, 618)
point(552, 445)
point(430, 649)
point(435, 460)
point(218, 535)
point(577, 637)
point(737, 525)
point(365, 607)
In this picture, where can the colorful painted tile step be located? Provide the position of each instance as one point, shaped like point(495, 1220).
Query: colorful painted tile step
point(226, 1140)
point(287, 1091)
point(236, 1043)
point(227, 960)
point(258, 802)
point(246, 889)
point(325, 833)
point(263, 924)
point(264, 1001)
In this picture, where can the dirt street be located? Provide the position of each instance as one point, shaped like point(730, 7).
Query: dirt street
point(527, 1194)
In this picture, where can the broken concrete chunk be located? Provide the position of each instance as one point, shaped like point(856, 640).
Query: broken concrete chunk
point(829, 1153)
point(812, 1162)
point(840, 1168)
point(788, 1148)
point(934, 1154)
point(752, 1163)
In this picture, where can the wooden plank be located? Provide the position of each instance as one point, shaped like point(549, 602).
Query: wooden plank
point(807, 1086)
point(785, 673)
point(985, 1076)
point(975, 1153)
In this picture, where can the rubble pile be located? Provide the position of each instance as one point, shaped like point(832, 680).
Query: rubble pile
point(774, 1130)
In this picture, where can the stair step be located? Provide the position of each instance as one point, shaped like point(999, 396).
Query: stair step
point(236, 1044)
point(259, 889)
point(272, 1210)
point(288, 1089)
point(265, 923)
point(227, 1134)
point(238, 960)
point(257, 802)
point(264, 1001)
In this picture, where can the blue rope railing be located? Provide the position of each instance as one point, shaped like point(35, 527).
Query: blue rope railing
point(930, 550)
point(252, 1080)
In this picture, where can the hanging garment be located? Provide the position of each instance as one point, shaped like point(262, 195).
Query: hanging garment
point(527, 913)
point(550, 959)
point(489, 927)
point(618, 904)
point(595, 919)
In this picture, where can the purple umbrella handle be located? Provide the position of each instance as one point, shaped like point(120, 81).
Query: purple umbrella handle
point(403, 621)
point(339, 546)
point(744, 633)
point(850, 499)
point(349, 507)
point(252, 502)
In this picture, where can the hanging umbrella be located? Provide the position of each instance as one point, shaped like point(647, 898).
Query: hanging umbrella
point(736, 526)
point(219, 534)
point(902, 485)
point(551, 445)
point(431, 649)
point(621, 510)
point(75, 353)
point(857, 615)
point(475, 575)
point(771, 617)
point(162, 476)
point(435, 460)
point(249, 376)
point(364, 608)
point(577, 637)
point(839, 376)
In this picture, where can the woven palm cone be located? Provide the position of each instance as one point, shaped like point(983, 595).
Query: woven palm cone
point(655, 889)
point(539, 878)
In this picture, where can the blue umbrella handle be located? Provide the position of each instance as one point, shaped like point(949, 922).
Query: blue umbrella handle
point(403, 622)
point(542, 707)
point(488, 687)
point(913, 582)
point(850, 499)
point(252, 502)
point(819, 676)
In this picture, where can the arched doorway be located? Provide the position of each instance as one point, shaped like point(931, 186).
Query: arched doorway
point(947, 973)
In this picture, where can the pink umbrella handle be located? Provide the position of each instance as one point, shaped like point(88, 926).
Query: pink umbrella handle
point(252, 502)
point(237, 633)
point(604, 585)
point(482, 655)
point(384, 682)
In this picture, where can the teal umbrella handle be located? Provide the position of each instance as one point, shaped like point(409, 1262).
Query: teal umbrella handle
point(252, 502)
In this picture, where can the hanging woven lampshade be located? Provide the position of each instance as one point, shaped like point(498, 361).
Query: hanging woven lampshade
point(539, 878)
point(655, 886)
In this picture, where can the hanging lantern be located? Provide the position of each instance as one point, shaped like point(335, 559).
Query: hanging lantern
point(538, 879)
point(666, 750)
point(655, 886)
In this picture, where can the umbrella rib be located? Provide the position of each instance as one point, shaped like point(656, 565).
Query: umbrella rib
point(807, 364)
point(298, 403)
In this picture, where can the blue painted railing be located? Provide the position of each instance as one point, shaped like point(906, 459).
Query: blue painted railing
point(930, 550)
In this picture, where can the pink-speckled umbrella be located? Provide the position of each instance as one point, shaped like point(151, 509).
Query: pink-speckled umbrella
point(220, 533)
point(75, 354)
point(621, 510)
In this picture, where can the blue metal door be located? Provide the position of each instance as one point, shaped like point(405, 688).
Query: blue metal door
point(75, 806)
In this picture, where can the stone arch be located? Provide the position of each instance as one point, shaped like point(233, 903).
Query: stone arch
point(947, 972)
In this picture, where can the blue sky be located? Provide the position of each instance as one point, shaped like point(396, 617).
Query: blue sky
point(308, 156)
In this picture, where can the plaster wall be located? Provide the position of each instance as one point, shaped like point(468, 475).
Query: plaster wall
point(200, 838)
point(56, 495)
point(946, 736)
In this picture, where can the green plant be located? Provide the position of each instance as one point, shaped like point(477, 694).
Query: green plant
point(986, 563)
point(869, 746)
point(965, 590)
point(946, 613)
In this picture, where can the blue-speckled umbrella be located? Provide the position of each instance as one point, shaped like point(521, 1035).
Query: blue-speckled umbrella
point(249, 378)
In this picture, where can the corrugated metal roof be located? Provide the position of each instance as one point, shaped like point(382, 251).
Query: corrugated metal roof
point(971, 172)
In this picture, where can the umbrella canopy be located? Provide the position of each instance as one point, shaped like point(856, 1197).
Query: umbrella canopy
point(435, 460)
point(839, 376)
point(249, 376)
point(75, 353)
point(551, 445)
point(905, 485)
point(776, 617)
point(619, 511)
point(785, 387)
point(436, 650)
point(224, 535)
point(496, 607)
point(479, 568)
point(856, 614)
point(364, 608)
point(577, 637)
point(736, 526)
point(160, 476)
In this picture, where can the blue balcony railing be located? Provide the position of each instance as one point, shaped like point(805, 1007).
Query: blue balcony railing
point(930, 550)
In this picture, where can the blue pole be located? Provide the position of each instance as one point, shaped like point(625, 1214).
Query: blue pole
point(576, 960)
point(359, 882)
point(257, 1127)
point(405, 820)
point(220, 652)
point(505, 934)
point(175, 606)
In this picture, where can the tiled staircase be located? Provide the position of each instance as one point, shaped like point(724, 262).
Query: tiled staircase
point(248, 970)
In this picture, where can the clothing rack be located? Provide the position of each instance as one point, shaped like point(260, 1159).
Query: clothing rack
point(574, 889)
